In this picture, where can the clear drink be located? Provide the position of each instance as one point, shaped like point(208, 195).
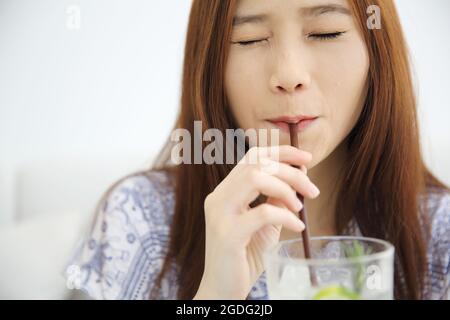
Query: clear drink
point(341, 268)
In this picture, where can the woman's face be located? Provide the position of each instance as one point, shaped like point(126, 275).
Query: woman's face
point(292, 58)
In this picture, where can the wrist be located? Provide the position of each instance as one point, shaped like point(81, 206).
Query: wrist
point(204, 293)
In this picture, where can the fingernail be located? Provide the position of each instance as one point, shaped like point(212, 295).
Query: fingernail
point(300, 225)
point(299, 205)
point(303, 168)
point(314, 191)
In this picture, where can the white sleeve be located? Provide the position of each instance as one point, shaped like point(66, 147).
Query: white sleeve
point(106, 260)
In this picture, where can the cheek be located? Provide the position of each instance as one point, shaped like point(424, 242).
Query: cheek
point(344, 85)
point(243, 77)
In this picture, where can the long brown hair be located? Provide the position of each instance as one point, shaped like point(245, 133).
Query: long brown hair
point(384, 178)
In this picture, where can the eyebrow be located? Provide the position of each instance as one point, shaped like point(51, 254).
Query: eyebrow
point(323, 9)
point(313, 11)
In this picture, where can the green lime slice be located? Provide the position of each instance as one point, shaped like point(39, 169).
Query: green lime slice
point(336, 293)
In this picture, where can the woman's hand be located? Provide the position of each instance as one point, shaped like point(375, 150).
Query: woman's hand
point(236, 234)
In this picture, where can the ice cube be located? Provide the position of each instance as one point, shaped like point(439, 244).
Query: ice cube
point(294, 281)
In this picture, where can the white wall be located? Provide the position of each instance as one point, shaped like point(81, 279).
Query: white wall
point(427, 24)
point(107, 89)
point(111, 87)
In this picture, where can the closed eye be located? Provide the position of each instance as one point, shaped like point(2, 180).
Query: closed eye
point(325, 36)
point(318, 36)
point(249, 43)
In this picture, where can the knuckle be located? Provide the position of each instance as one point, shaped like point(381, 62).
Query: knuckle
point(253, 151)
point(268, 166)
point(253, 175)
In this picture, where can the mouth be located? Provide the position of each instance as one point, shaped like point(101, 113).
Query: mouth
point(302, 122)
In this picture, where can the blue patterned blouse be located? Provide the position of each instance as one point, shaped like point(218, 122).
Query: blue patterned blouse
point(123, 253)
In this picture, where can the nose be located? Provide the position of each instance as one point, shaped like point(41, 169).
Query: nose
point(290, 73)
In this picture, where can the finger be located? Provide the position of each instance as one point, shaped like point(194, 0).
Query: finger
point(283, 153)
point(304, 169)
point(276, 202)
point(267, 214)
point(295, 177)
point(257, 182)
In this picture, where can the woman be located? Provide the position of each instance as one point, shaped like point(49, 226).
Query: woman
point(199, 230)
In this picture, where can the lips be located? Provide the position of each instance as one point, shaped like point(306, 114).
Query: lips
point(302, 121)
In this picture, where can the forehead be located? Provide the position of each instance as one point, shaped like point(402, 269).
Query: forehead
point(258, 11)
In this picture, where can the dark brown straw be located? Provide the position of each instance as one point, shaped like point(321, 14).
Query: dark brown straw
point(302, 213)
